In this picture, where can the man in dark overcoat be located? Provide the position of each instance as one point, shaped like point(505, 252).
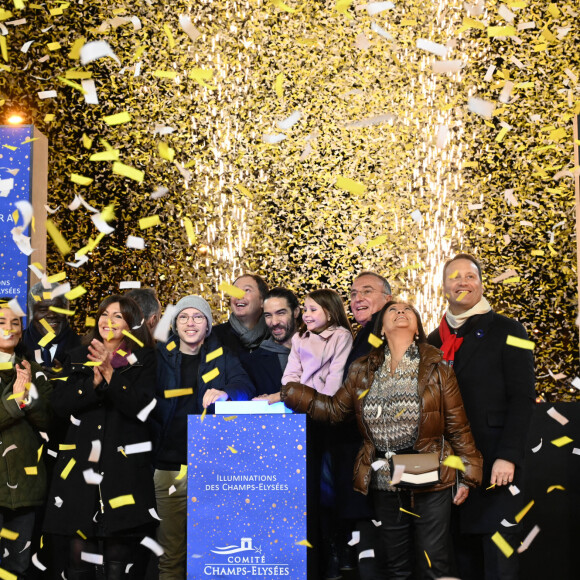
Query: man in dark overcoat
point(496, 379)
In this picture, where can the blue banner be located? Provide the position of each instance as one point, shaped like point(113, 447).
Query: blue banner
point(246, 511)
point(15, 180)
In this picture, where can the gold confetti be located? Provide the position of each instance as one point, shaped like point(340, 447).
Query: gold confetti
point(122, 500)
point(375, 340)
point(133, 338)
point(519, 342)
point(232, 449)
point(209, 376)
point(170, 393)
point(561, 441)
point(149, 222)
point(67, 469)
point(500, 542)
point(410, 513)
point(182, 471)
point(454, 462)
point(524, 511)
point(304, 543)
point(8, 534)
point(214, 354)
point(553, 487)
point(57, 238)
point(232, 291)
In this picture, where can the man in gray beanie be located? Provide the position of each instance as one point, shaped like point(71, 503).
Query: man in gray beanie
point(182, 364)
point(40, 301)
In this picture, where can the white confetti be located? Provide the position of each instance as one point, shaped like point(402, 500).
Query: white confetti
point(273, 138)
point(514, 489)
point(374, 8)
point(102, 225)
point(576, 383)
point(355, 538)
point(96, 49)
point(8, 449)
point(95, 453)
point(507, 524)
point(481, 107)
point(504, 96)
point(528, 539)
point(506, 13)
point(447, 66)
point(15, 307)
point(288, 122)
point(47, 94)
point(37, 563)
point(557, 416)
point(381, 31)
point(188, 27)
point(159, 192)
point(442, 134)
point(144, 413)
point(92, 477)
point(135, 242)
point(92, 558)
point(138, 448)
point(489, 73)
point(432, 47)
point(129, 284)
point(376, 523)
point(76, 422)
point(537, 447)
point(91, 97)
point(397, 474)
point(163, 328)
point(366, 554)
point(57, 501)
point(153, 514)
point(152, 545)
point(171, 490)
point(378, 464)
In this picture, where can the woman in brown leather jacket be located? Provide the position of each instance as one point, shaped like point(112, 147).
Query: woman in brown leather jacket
point(406, 400)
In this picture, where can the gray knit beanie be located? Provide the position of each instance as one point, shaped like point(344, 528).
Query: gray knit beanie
point(193, 302)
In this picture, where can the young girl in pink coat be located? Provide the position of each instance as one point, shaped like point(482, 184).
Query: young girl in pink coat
point(321, 347)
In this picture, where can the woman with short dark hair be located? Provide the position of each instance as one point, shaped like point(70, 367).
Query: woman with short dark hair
point(102, 495)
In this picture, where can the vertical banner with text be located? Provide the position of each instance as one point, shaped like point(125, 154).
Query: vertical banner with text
point(246, 510)
point(15, 185)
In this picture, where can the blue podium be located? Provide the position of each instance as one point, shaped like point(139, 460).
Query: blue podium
point(246, 511)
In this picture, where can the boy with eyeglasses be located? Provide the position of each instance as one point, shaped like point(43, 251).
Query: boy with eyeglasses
point(181, 363)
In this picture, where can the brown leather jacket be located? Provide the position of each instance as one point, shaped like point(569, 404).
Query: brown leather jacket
point(436, 384)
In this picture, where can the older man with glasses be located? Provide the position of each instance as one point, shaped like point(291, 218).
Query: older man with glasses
point(368, 294)
point(181, 363)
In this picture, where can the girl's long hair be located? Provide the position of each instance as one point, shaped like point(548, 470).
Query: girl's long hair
point(332, 304)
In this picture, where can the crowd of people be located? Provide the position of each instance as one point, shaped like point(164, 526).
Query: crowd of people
point(93, 440)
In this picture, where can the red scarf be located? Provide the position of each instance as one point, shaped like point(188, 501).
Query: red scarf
point(450, 341)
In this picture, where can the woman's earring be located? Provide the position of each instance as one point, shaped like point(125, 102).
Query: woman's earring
point(416, 336)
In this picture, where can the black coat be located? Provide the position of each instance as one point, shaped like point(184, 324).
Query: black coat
point(264, 369)
point(497, 385)
point(107, 414)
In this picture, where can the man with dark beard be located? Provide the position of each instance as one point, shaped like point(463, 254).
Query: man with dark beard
point(266, 364)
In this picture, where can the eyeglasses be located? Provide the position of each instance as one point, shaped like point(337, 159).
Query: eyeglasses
point(363, 293)
point(197, 318)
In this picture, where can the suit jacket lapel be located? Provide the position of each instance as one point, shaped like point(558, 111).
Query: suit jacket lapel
point(476, 335)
